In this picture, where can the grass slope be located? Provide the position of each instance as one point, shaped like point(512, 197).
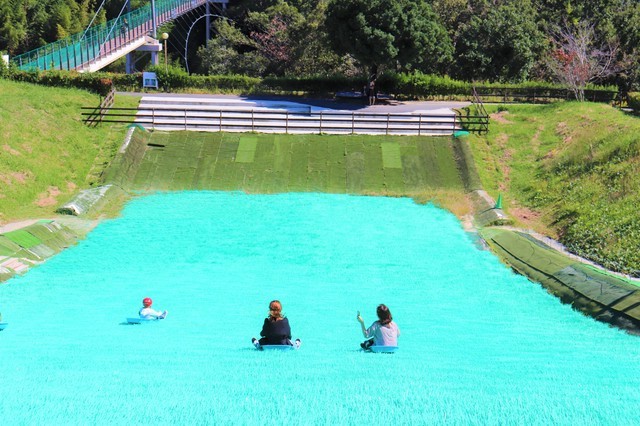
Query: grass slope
point(46, 153)
point(418, 167)
point(570, 170)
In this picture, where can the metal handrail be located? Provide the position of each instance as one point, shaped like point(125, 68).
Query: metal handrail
point(96, 116)
point(536, 95)
point(287, 121)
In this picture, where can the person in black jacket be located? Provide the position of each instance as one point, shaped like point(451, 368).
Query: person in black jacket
point(276, 329)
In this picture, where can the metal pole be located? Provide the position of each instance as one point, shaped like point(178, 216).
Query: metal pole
point(154, 27)
point(129, 58)
point(208, 23)
point(80, 48)
point(68, 59)
point(154, 31)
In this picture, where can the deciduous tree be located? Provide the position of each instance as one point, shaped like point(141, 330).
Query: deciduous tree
point(576, 61)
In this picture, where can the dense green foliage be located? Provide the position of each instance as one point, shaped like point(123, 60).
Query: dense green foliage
point(403, 33)
point(634, 101)
point(499, 44)
point(472, 40)
point(574, 167)
point(403, 85)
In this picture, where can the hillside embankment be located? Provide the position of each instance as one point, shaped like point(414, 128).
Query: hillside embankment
point(571, 171)
point(441, 170)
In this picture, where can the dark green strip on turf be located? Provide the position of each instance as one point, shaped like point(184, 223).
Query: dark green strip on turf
point(451, 174)
point(281, 161)
point(373, 171)
point(336, 171)
point(7, 247)
point(412, 169)
point(225, 172)
point(299, 166)
point(354, 165)
point(428, 159)
point(206, 161)
point(187, 162)
point(141, 179)
point(183, 178)
point(263, 165)
point(317, 180)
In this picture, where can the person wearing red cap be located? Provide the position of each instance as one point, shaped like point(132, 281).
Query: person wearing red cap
point(147, 312)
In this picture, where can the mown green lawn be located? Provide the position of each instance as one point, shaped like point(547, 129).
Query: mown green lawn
point(46, 153)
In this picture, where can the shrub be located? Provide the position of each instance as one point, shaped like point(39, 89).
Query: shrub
point(415, 85)
point(634, 101)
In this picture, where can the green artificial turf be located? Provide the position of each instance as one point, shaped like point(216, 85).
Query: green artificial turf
point(266, 163)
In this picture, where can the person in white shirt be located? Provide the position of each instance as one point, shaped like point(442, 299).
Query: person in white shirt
point(147, 312)
point(383, 332)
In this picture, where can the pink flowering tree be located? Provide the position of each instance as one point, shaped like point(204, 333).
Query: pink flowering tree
point(273, 43)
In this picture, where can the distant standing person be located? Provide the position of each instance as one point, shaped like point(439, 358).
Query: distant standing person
point(125, 27)
point(276, 329)
point(383, 332)
point(372, 92)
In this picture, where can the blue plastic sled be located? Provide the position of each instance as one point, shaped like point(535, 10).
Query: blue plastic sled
point(140, 320)
point(3, 325)
point(383, 349)
point(277, 347)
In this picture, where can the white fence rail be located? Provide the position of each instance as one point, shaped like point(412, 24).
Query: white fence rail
point(284, 121)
